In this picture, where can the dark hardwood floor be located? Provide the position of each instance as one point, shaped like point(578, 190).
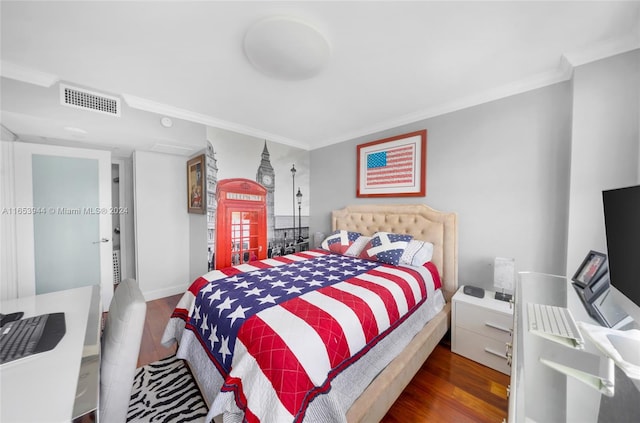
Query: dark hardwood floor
point(448, 387)
point(158, 314)
point(452, 388)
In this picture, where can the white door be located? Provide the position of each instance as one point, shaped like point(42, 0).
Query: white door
point(63, 219)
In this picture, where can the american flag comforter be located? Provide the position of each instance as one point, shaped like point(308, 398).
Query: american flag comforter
point(279, 331)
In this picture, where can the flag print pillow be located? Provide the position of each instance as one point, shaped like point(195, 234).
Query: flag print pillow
point(357, 246)
point(340, 241)
point(417, 253)
point(386, 247)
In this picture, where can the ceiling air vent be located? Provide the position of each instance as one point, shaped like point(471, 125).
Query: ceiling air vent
point(89, 100)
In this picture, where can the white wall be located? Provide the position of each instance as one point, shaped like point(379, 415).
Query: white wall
point(198, 256)
point(605, 146)
point(128, 236)
point(501, 166)
point(161, 224)
point(524, 173)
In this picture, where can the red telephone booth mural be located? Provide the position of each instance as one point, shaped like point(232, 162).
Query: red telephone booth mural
point(241, 222)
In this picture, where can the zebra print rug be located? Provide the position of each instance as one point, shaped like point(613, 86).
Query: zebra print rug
point(165, 391)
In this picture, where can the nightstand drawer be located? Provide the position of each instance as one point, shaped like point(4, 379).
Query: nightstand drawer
point(484, 322)
point(487, 351)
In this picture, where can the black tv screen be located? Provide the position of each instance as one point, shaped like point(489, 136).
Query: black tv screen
point(622, 225)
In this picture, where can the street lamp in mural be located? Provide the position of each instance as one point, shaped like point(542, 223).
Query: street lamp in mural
point(299, 197)
point(293, 223)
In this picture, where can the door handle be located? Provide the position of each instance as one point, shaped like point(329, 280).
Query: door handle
point(101, 240)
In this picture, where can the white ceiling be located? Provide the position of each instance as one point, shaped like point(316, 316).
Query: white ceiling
point(391, 63)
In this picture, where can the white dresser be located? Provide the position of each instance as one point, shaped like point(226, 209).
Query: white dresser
point(482, 329)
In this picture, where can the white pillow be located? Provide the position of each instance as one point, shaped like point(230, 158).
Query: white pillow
point(417, 253)
point(358, 245)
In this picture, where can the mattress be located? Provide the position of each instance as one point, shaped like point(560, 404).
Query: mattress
point(252, 395)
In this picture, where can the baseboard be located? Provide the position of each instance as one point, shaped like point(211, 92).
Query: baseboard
point(164, 292)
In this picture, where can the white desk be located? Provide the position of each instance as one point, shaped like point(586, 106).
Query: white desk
point(539, 393)
point(61, 384)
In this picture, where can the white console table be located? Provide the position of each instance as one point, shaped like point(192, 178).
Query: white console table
point(539, 393)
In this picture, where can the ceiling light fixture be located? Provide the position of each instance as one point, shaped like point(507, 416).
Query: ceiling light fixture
point(166, 122)
point(286, 48)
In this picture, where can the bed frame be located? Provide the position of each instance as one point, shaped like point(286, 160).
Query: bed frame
point(426, 224)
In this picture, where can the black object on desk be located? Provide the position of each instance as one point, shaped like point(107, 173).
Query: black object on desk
point(502, 296)
point(30, 336)
point(474, 291)
point(601, 305)
point(11, 317)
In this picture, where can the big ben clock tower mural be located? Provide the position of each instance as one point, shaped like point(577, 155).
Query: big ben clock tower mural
point(266, 176)
point(245, 170)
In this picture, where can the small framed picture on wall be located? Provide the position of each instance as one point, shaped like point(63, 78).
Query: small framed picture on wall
point(393, 167)
point(196, 188)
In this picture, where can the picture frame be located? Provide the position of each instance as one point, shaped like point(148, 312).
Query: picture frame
point(393, 167)
point(196, 189)
point(593, 267)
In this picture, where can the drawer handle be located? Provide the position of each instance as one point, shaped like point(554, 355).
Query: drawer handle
point(498, 327)
point(490, 351)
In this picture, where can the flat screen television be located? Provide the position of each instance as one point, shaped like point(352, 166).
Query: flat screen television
point(622, 226)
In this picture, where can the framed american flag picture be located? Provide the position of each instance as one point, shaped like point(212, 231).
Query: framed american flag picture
point(393, 167)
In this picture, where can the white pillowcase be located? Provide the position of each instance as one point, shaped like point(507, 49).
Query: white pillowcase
point(417, 253)
point(358, 245)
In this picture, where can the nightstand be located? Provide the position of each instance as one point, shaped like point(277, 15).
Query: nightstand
point(481, 329)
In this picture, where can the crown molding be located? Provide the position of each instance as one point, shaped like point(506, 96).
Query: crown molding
point(563, 72)
point(560, 74)
point(604, 49)
point(178, 113)
point(6, 134)
point(179, 150)
point(28, 75)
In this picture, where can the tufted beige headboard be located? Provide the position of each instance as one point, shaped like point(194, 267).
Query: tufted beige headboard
point(421, 221)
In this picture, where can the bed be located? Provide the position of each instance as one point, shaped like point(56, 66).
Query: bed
point(359, 386)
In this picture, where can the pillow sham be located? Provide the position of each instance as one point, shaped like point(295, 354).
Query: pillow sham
point(417, 253)
point(357, 247)
point(339, 241)
point(386, 247)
